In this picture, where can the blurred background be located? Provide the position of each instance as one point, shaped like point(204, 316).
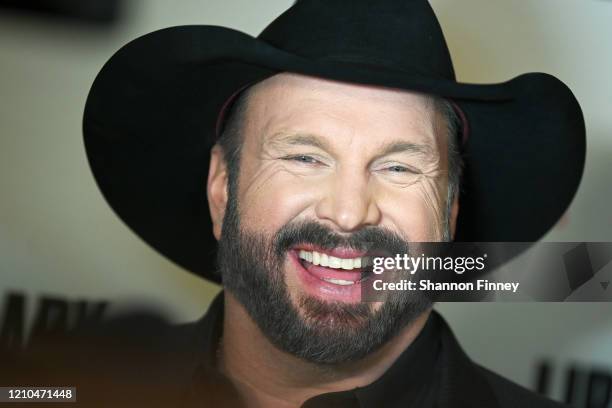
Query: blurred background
point(62, 248)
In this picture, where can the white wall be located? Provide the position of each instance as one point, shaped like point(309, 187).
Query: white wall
point(57, 235)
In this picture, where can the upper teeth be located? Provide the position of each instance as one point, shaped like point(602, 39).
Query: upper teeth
point(318, 258)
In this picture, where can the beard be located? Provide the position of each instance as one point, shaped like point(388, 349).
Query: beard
point(251, 265)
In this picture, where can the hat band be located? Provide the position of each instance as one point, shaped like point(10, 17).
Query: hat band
point(222, 116)
point(465, 125)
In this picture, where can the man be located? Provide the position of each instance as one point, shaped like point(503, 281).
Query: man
point(332, 137)
point(308, 157)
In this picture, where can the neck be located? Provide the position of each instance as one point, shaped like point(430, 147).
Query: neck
point(267, 376)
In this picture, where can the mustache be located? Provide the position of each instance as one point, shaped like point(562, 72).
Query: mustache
point(370, 239)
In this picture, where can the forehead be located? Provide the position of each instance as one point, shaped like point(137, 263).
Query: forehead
point(296, 103)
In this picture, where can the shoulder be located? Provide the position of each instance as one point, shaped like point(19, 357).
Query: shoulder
point(475, 385)
point(137, 359)
point(509, 394)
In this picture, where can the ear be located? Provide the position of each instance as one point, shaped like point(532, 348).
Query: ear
point(216, 190)
point(453, 215)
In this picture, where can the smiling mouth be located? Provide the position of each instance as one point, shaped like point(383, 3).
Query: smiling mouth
point(339, 271)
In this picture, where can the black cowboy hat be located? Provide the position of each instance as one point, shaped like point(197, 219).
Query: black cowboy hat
point(151, 117)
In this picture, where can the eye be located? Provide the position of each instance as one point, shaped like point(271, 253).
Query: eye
point(398, 169)
point(302, 158)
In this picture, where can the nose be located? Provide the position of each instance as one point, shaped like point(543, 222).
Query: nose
point(348, 201)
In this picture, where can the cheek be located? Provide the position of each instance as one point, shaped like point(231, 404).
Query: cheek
point(271, 202)
point(415, 211)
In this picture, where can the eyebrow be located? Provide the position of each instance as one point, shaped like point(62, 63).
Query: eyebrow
point(398, 146)
point(301, 139)
point(406, 147)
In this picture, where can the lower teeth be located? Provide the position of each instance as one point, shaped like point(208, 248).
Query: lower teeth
point(340, 282)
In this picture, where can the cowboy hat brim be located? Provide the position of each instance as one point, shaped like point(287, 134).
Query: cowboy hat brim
point(150, 121)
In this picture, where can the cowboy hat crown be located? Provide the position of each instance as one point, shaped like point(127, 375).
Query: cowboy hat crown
point(399, 35)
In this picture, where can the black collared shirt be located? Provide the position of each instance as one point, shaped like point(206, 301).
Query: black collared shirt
point(141, 360)
point(411, 381)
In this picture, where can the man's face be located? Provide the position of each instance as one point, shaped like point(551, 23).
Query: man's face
point(330, 173)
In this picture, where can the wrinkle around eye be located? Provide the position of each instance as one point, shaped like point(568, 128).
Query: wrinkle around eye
point(260, 179)
point(434, 202)
point(272, 167)
point(409, 178)
point(404, 181)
